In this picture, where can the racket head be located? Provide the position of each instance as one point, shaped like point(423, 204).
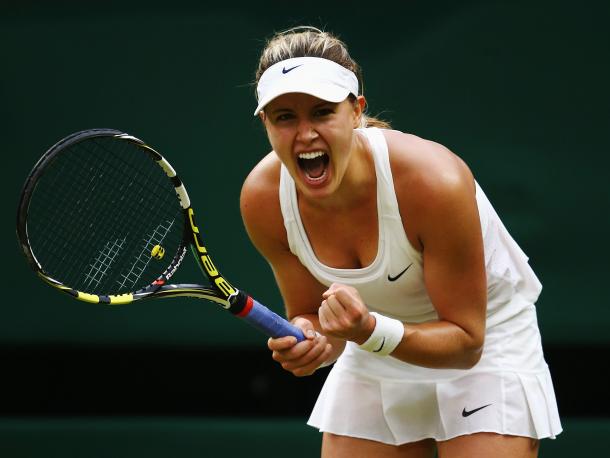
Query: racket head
point(102, 216)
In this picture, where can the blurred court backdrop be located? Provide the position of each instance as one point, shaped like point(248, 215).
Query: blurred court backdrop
point(518, 89)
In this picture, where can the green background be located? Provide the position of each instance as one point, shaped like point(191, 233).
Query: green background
point(207, 438)
point(517, 89)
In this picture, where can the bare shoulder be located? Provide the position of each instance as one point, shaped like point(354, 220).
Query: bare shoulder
point(263, 178)
point(260, 205)
point(431, 182)
point(423, 168)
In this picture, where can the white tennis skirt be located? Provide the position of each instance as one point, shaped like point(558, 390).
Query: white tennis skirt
point(383, 399)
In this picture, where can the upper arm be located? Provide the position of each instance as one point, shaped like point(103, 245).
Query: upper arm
point(438, 202)
point(454, 266)
point(262, 216)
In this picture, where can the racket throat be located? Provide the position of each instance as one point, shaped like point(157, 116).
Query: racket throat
point(240, 304)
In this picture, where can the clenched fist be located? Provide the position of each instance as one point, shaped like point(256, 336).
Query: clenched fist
point(343, 314)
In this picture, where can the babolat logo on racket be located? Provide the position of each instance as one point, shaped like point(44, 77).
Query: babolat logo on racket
point(223, 285)
point(174, 266)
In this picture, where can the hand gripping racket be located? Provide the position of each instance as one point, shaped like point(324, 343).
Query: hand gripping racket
point(104, 218)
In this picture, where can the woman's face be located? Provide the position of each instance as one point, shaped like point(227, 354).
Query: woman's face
point(313, 138)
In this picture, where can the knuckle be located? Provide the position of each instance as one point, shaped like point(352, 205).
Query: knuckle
point(346, 323)
point(329, 330)
point(358, 316)
point(300, 321)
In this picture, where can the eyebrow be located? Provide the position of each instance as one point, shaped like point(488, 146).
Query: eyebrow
point(279, 110)
point(317, 105)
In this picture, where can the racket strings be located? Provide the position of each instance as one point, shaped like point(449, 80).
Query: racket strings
point(101, 264)
point(130, 278)
point(100, 208)
point(69, 206)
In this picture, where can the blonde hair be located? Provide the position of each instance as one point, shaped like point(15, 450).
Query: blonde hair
point(306, 41)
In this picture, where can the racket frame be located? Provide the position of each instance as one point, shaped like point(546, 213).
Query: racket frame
point(221, 291)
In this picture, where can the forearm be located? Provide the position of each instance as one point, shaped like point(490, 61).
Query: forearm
point(438, 344)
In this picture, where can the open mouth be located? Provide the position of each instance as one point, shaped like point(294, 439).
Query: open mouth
point(314, 164)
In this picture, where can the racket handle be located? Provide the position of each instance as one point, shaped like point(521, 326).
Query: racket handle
point(267, 321)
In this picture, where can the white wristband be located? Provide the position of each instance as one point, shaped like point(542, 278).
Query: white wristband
point(386, 336)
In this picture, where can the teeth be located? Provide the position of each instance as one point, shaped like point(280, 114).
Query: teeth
point(311, 155)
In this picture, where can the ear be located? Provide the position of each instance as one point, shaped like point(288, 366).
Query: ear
point(359, 106)
point(261, 116)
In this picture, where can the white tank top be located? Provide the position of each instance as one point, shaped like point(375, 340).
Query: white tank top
point(393, 283)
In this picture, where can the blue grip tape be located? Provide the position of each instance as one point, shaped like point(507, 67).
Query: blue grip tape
point(271, 323)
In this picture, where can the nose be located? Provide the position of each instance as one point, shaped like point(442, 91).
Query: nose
point(306, 131)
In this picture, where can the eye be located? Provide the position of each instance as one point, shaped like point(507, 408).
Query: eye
point(325, 111)
point(284, 117)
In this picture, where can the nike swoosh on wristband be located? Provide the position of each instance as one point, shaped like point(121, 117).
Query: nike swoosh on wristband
point(380, 346)
point(390, 278)
point(285, 70)
point(467, 413)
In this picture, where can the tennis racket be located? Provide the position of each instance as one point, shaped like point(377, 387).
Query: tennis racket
point(104, 218)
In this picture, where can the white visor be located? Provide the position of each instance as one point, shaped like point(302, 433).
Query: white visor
point(315, 76)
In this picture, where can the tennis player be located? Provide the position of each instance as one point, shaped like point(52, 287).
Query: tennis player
point(391, 259)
